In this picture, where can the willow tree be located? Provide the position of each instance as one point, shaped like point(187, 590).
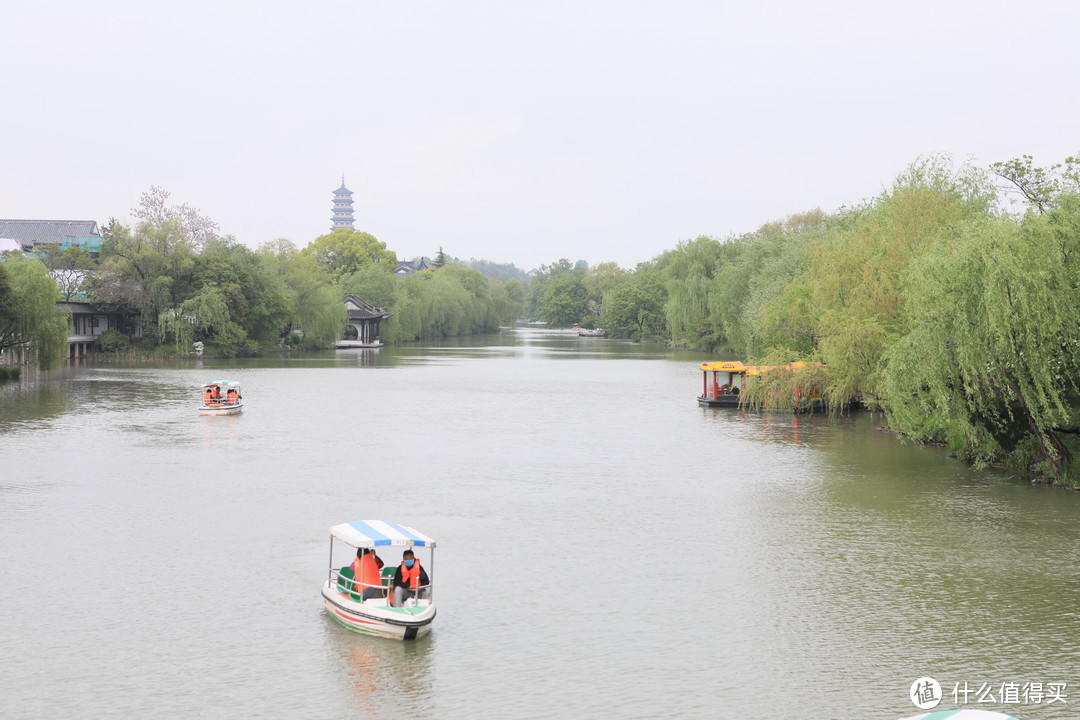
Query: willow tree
point(991, 358)
point(314, 306)
point(688, 274)
point(413, 313)
point(205, 314)
point(850, 297)
point(29, 317)
point(759, 268)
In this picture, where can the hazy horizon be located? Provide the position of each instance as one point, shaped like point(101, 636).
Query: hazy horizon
point(599, 131)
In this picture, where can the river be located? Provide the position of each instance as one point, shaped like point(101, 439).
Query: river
point(606, 548)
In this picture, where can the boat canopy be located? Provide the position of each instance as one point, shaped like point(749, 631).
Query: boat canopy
point(723, 366)
point(794, 367)
point(736, 366)
point(223, 384)
point(379, 533)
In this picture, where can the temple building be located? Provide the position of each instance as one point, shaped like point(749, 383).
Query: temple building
point(343, 208)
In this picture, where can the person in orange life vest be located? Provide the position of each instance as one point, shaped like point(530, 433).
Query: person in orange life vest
point(367, 571)
point(215, 393)
point(207, 397)
point(409, 580)
point(232, 396)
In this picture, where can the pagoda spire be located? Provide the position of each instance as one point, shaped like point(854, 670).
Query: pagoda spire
point(343, 208)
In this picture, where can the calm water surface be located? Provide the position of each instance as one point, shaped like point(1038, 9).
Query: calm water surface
point(606, 547)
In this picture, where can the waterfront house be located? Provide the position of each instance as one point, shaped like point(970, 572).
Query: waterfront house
point(362, 330)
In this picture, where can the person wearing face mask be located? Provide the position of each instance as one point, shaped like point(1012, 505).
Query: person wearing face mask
point(410, 580)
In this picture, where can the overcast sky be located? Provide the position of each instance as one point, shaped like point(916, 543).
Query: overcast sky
point(518, 132)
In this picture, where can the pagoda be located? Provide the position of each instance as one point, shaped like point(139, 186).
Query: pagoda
point(343, 208)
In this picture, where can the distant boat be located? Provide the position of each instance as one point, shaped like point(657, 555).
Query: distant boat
point(590, 332)
point(341, 344)
point(226, 398)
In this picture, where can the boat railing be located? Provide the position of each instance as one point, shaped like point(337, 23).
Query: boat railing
point(347, 584)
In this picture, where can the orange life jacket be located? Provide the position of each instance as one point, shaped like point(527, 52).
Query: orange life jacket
point(366, 573)
point(231, 396)
point(410, 576)
point(207, 397)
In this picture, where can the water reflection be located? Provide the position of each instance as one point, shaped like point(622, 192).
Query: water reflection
point(385, 678)
point(360, 357)
point(24, 403)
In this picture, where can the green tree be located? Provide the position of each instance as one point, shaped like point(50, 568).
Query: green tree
point(68, 267)
point(991, 358)
point(1040, 187)
point(540, 279)
point(565, 300)
point(599, 282)
point(255, 295)
point(461, 301)
point(687, 273)
point(635, 309)
point(204, 313)
point(413, 311)
point(343, 251)
point(558, 295)
point(374, 283)
point(28, 313)
point(508, 299)
point(315, 311)
point(144, 271)
point(847, 306)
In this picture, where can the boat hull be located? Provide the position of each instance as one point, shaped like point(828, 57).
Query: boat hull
point(375, 618)
point(221, 409)
point(345, 344)
point(719, 401)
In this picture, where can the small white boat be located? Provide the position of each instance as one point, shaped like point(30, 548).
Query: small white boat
point(590, 332)
point(374, 609)
point(221, 398)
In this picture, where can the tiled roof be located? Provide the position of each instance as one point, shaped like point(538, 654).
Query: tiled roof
point(406, 266)
point(343, 191)
point(48, 231)
point(360, 310)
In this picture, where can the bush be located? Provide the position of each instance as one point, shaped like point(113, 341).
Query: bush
point(112, 341)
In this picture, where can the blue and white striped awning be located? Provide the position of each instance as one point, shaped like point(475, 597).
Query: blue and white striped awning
point(379, 533)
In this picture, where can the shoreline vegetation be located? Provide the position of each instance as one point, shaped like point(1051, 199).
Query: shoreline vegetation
point(951, 307)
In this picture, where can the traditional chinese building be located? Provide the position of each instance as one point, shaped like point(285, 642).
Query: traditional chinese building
point(37, 235)
point(406, 267)
point(88, 322)
point(343, 208)
point(362, 330)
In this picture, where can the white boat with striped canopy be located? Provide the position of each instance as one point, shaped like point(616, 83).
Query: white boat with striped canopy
point(369, 607)
point(221, 397)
